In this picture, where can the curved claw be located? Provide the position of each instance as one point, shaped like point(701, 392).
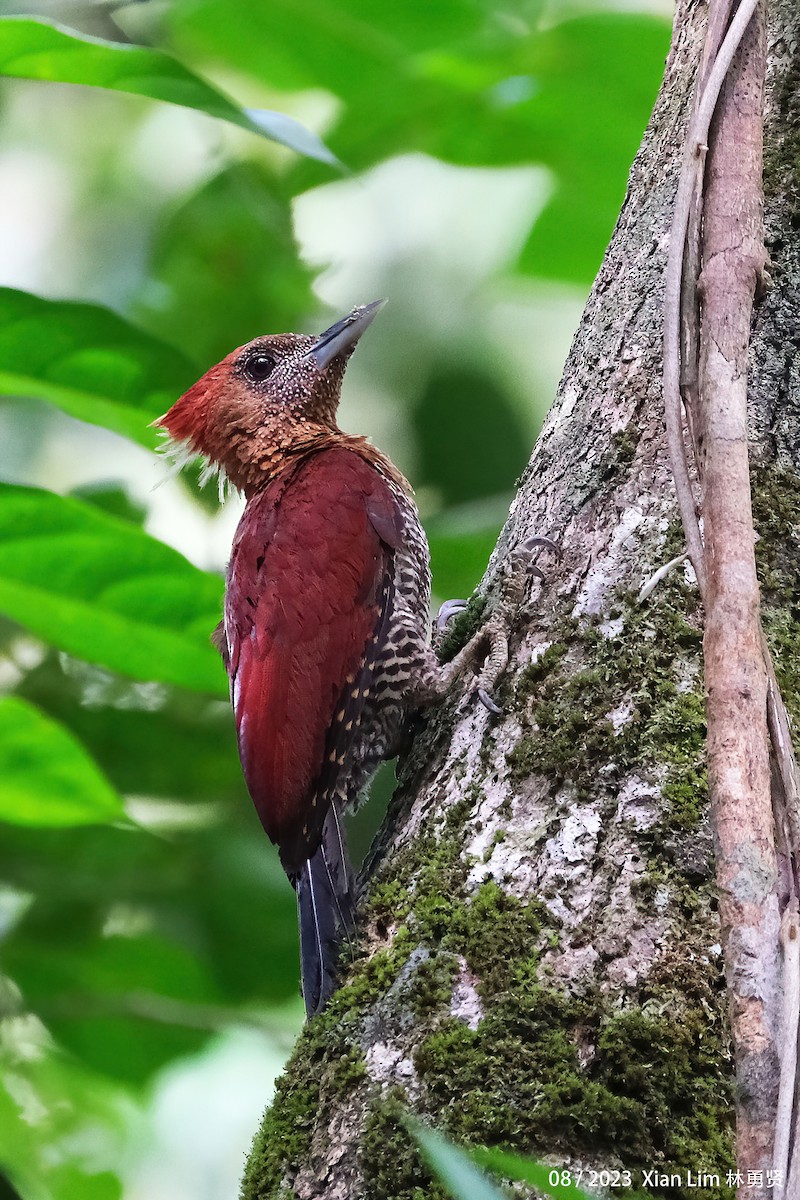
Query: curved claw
point(488, 703)
point(449, 610)
point(546, 542)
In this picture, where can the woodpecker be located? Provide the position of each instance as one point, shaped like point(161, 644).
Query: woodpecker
point(326, 629)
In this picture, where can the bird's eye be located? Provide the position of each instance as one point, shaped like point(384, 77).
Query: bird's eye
point(258, 366)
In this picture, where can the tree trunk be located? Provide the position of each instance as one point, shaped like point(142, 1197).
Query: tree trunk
point(541, 964)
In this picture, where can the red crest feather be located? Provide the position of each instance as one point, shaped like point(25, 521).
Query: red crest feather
point(186, 422)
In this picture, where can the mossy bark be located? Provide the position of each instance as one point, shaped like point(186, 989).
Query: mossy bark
point(540, 963)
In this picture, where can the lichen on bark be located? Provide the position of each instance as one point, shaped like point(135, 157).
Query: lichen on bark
point(539, 965)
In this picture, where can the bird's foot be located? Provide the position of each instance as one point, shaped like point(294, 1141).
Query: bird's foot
point(517, 572)
point(490, 642)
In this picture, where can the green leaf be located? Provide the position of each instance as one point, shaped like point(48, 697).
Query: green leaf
point(31, 48)
point(454, 1167)
point(527, 1170)
point(457, 1170)
point(88, 362)
point(113, 499)
point(104, 591)
point(46, 776)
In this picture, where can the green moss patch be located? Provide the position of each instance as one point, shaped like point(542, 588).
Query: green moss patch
point(568, 698)
point(495, 934)
point(655, 1090)
point(393, 1169)
point(284, 1137)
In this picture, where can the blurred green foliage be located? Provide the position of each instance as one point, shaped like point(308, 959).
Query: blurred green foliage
point(89, 362)
point(211, 298)
point(34, 49)
point(46, 776)
point(464, 1181)
point(101, 589)
point(141, 908)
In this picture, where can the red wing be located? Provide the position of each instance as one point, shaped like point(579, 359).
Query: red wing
point(309, 580)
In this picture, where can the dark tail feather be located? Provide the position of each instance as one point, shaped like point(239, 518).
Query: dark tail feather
point(325, 904)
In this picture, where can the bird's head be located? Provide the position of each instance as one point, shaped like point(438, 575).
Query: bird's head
point(277, 394)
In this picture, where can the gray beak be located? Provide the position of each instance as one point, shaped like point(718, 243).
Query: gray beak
point(343, 334)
